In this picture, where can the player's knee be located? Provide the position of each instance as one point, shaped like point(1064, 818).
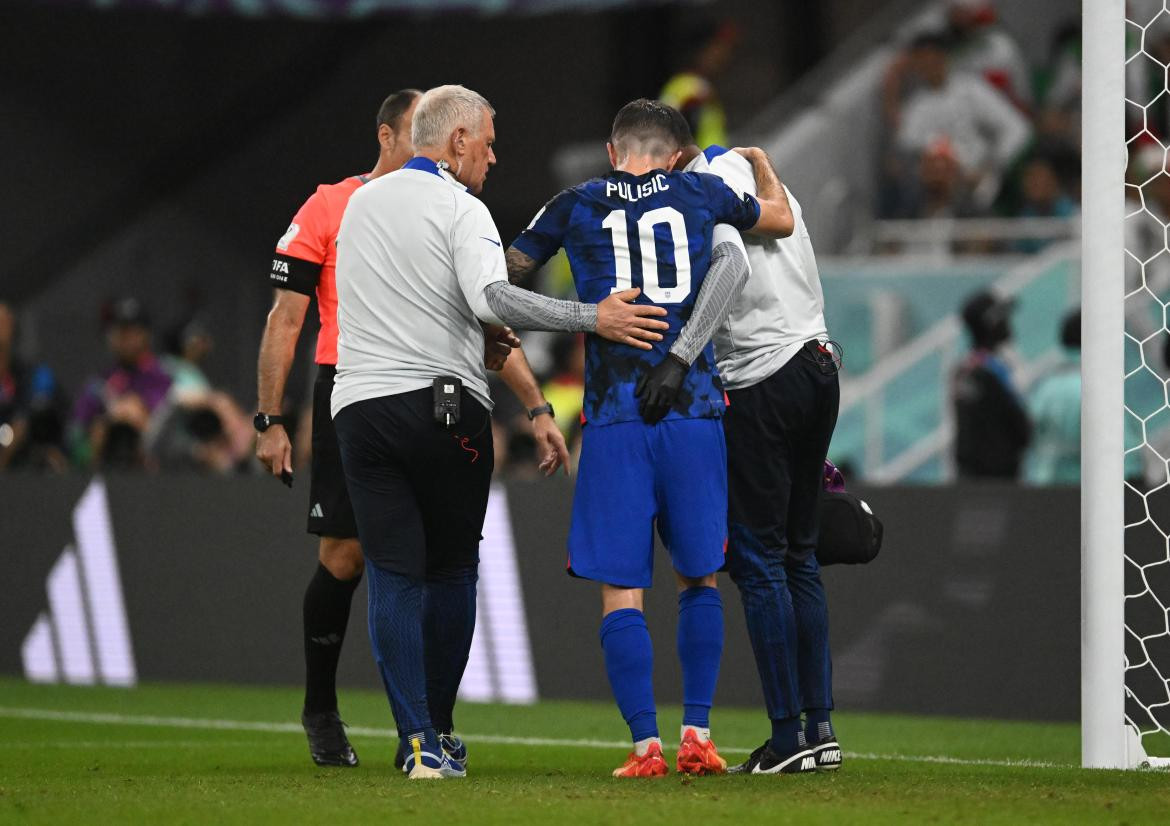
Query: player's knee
point(615, 598)
point(685, 582)
point(341, 557)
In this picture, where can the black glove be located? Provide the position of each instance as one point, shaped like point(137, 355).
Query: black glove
point(657, 389)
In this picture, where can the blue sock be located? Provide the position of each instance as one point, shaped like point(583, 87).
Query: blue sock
point(448, 625)
point(396, 637)
point(787, 736)
point(818, 726)
point(629, 662)
point(700, 647)
point(428, 741)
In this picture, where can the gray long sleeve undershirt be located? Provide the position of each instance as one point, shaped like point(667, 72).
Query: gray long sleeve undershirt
point(526, 310)
point(725, 279)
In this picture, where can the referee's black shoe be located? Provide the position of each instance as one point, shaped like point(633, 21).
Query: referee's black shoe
point(328, 744)
point(765, 761)
point(828, 754)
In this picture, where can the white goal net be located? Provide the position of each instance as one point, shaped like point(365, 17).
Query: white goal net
point(1147, 377)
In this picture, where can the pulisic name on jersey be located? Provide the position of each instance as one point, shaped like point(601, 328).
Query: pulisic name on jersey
point(633, 193)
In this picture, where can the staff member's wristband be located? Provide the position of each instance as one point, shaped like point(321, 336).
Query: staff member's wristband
point(544, 408)
point(262, 421)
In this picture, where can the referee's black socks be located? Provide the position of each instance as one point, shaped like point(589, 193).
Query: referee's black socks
point(326, 615)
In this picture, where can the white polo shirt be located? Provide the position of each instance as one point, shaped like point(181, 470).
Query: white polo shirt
point(781, 306)
point(414, 254)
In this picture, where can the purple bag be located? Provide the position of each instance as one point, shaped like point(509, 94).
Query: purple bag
point(834, 479)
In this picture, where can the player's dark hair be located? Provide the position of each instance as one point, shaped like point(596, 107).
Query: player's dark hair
point(648, 123)
point(682, 129)
point(394, 107)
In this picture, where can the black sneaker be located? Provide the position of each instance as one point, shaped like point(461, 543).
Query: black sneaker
point(328, 745)
point(828, 754)
point(766, 761)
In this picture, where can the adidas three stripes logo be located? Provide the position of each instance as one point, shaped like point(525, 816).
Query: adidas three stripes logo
point(83, 637)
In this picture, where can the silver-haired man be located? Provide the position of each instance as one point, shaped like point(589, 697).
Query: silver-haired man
point(420, 265)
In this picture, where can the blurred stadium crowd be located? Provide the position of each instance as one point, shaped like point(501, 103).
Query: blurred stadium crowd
point(976, 124)
point(142, 408)
point(149, 404)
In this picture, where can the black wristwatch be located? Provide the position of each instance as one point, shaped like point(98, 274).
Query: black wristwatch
point(544, 408)
point(262, 421)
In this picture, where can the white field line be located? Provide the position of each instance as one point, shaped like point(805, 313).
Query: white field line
point(100, 718)
point(129, 744)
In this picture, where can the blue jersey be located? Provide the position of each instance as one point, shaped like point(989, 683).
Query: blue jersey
point(651, 231)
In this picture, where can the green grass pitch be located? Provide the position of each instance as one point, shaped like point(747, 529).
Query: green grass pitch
point(215, 754)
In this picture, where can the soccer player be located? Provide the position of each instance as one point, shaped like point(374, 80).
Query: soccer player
point(304, 264)
point(781, 379)
point(643, 226)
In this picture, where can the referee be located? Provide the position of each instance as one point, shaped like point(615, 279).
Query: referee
point(303, 265)
point(420, 264)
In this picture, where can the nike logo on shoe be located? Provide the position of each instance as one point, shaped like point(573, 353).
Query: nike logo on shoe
point(802, 761)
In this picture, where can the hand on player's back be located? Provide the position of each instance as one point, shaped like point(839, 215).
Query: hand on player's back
point(620, 319)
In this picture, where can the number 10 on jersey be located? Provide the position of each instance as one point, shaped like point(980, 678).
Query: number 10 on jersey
point(615, 222)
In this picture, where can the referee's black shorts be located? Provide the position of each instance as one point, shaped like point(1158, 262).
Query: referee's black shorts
point(419, 490)
point(330, 510)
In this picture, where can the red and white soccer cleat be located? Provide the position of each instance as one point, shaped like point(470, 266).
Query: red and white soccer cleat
point(697, 756)
point(650, 764)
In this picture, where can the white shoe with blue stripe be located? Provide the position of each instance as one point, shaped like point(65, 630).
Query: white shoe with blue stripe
point(451, 745)
point(421, 764)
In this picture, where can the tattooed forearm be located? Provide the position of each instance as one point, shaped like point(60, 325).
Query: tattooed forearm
point(520, 266)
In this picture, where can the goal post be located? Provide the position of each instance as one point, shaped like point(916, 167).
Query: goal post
point(1125, 407)
point(1103, 727)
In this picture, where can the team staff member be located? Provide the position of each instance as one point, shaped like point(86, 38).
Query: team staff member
point(420, 264)
point(304, 263)
point(781, 380)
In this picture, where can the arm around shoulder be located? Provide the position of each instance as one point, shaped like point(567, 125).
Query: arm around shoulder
point(776, 218)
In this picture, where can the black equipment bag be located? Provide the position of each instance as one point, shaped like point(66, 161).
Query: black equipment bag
point(850, 532)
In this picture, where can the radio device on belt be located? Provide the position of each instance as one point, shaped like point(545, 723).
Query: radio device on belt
point(447, 392)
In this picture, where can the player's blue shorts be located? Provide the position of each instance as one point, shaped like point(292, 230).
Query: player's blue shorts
point(634, 475)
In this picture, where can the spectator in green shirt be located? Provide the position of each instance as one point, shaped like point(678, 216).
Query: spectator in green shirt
point(1055, 407)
